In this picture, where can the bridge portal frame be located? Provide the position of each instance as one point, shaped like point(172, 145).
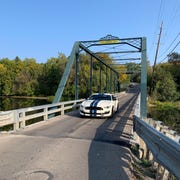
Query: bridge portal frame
point(138, 45)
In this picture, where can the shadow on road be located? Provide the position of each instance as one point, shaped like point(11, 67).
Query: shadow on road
point(109, 156)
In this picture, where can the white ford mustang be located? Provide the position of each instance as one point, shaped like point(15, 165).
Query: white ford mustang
point(99, 105)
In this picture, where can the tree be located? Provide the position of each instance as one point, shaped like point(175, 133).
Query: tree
point(165, 88)
point(135, 69)
point(174, 58)
point(51, 75)
point(3, 71)
point(11, 72)
point(174, 69)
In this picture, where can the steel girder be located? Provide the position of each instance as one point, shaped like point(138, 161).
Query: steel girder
point(62, 83)
point(136, 45)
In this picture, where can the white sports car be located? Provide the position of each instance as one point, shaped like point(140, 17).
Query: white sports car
point(99, 105)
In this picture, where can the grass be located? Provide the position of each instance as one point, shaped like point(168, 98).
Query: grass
point(143, 169)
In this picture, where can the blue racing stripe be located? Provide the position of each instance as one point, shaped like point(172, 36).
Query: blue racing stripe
point(91, 105)
point(94, 104)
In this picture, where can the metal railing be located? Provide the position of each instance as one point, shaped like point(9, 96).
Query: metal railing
point(18, 118)
point(165, 150)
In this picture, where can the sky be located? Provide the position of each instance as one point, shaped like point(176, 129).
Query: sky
point(41, 29)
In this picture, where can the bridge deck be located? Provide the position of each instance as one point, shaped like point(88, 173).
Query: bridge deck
point(70, 147)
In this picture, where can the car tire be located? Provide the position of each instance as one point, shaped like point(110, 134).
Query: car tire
point(112, 112)
point(117, 108)
point(82, 116)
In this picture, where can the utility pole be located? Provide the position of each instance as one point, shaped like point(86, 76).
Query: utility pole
point(157, 49)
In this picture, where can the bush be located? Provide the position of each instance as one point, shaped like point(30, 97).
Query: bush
point(165, 89)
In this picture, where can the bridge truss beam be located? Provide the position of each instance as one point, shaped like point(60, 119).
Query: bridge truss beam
point(132, 46)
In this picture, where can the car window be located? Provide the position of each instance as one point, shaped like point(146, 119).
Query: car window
point(100, 97)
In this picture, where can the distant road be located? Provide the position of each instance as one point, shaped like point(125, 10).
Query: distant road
point(71, 148)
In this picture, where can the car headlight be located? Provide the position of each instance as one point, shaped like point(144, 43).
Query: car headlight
point(81, 106)
point(107, 107)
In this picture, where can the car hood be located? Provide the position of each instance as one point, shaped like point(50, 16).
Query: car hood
point(95, 103)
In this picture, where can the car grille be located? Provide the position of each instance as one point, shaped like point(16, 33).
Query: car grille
point(94, 108)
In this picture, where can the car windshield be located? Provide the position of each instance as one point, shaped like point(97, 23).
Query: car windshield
point(100, 97)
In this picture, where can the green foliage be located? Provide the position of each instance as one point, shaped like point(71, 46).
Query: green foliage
point(135, 68)
point(174, 58)
point(167, 112)
point(29, 78)
point(165, 88)
point(174, 69)
point(3, 71)
point(52, 72)
point(146, 163)
point(166, 82)
point(167, 92)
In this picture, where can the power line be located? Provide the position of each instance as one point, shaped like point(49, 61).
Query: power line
point(157, 23)
point(173, 18)
point(170, 45)
point(175, 47)
point(171, 51)
point(169, 26)
point(160, 12)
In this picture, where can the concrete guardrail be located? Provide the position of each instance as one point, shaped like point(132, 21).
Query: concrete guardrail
point(19, 117)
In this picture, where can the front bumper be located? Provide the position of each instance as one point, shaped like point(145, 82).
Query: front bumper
point(95, 112)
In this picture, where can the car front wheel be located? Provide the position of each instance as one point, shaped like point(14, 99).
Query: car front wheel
point(112, 112)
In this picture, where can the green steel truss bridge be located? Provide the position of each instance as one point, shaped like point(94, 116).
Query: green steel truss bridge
point(120, 52)
point(71, 147)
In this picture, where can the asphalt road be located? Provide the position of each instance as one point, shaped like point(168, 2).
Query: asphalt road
point(71, 148)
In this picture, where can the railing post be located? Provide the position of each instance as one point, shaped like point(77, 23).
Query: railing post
point(46, 114)
point(62, 109)
point(16, 121)
point(22, 122)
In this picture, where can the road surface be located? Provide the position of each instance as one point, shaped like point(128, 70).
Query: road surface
point(71, 148)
